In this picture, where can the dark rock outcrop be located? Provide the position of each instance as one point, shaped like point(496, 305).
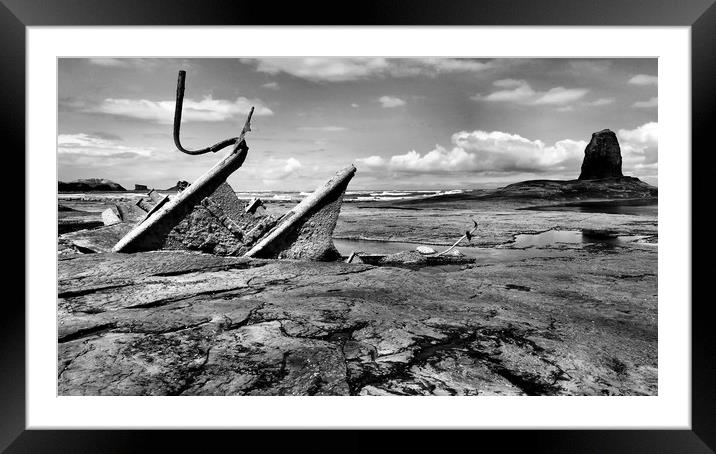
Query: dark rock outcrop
point(606, 188)
point(140, 187)
point(602, 157)
point(89, 184)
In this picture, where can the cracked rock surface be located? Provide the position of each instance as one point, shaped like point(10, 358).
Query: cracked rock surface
point(181, 323)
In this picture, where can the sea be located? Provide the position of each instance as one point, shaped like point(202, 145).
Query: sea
point(281, 196)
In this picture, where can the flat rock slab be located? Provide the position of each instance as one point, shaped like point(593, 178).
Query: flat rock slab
point(181, 323)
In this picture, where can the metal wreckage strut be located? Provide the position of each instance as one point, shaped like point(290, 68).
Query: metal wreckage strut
point(207, 216)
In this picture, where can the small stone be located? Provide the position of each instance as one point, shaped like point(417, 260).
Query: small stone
point(455, 253)
point(425, 250)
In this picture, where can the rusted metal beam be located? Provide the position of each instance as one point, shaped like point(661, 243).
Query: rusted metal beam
point(177, 124)
point(290, 219)
point(148, 233)
point(173, 211)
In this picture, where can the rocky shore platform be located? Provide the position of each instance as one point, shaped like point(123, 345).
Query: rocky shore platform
point(574, 322)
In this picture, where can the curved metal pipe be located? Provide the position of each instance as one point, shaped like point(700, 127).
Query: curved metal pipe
point(177, 124)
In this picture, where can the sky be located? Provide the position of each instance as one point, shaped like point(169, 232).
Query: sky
point(406, 123)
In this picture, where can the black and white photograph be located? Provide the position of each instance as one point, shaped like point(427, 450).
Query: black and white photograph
point(357, 226)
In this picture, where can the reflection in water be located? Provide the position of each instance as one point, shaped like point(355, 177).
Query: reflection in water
point(482, 255)
point(557, 238)
point(525, 245)
point(631, 207)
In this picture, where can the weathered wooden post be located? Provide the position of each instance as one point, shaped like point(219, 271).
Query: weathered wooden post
point(150, 233)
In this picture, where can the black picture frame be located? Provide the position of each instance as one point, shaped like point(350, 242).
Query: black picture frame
point(700, 15)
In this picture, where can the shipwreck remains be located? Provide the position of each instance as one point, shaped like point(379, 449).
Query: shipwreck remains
point(207, 215)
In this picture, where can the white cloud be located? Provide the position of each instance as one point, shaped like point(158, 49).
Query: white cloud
point(321, 68)
point(94, 145)
point(340, 69)
point(110, 62)
point(449, 65)
point(390, 101)
point(322, 128)
point(355, 106)
point(496, 152)
point(372, 161)
point(645, 135)
point(140, 63)
point(271, 85)
point(292, 165)
point(560, 95)
point(652, 102)
point(644, 79)
point(208, 109)
point(599, 102)
point(520, 92)
point(280, 170)
point(482, 151)
point(640, 146)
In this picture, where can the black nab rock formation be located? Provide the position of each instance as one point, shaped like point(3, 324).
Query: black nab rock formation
point(602, 157)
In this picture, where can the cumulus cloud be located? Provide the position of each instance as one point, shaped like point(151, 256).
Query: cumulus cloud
point(497, 152)
point(483, 151)
point(271, 85)
point(644, 79)
point(208, 109)
point(341, 69)
point(97, 145)
point(646, 135)
point(372, 161)
point(390, 101)
point(652, 102)
point(110, 62)
point(129, 62)
point(640, 146)
point(280, 170)
point(292, 165)
point(520, 92)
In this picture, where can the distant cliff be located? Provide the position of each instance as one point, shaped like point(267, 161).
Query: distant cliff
point(89, 184)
